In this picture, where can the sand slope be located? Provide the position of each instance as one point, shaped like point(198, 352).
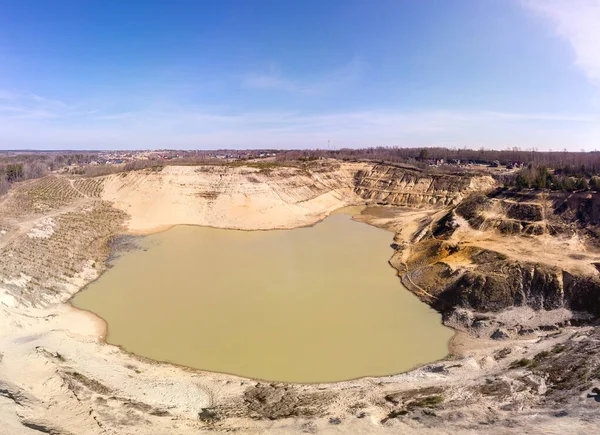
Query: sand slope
point(230, 197)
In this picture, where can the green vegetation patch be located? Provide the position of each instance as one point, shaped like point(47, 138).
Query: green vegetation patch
point(521, 363)
point(427, 402)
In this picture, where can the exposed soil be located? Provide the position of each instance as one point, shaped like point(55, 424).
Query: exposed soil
point(515, 273)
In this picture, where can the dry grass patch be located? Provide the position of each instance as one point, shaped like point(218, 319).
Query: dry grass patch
point(41, 271)
point(92, 187)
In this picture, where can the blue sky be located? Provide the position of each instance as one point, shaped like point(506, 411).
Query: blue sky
point(295, 74)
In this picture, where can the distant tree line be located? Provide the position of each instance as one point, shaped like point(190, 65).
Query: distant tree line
point(567, 160)
point(541, 177)
point(27, 165)
point(12, 172)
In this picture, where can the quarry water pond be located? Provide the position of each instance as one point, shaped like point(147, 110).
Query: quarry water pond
point(314, 304)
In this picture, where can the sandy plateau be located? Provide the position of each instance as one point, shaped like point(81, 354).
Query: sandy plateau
point(524, 359)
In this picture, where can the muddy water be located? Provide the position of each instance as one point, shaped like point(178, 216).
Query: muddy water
point(305, 305)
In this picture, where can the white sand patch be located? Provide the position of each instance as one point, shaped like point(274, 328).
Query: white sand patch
point(43, 230)
point(7, 299)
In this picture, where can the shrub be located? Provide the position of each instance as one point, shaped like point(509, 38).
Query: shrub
point(582, 184)
point(523, 362)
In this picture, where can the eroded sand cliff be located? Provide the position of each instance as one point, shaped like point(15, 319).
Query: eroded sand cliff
point(231, 197)
point(519, 366)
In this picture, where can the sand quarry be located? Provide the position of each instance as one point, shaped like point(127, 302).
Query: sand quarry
point(57, 375)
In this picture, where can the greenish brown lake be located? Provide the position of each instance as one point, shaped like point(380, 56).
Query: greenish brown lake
point(311, 304)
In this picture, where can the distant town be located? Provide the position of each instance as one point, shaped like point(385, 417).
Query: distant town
point(121, 157)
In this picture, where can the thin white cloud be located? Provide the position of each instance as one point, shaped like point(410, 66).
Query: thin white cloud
point(345, 75)
point(32, 106)
point(21, 112)
point(181, 128)
point(578, 22)
point(271, 79)
point(274, 79)
point(6, 95)
point(566, 117)
point(114, 116)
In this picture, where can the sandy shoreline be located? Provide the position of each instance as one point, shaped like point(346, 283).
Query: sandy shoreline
point(352, 210)
point(312, 223)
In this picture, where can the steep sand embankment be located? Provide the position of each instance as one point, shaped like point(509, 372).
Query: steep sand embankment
point(391, 185)
point(506, 263)
point(247, 198)
point(58, 377)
